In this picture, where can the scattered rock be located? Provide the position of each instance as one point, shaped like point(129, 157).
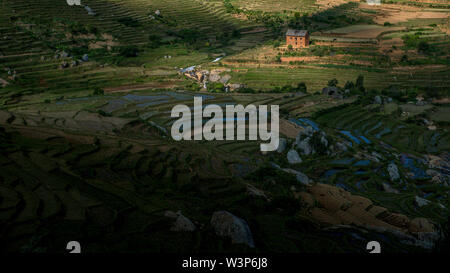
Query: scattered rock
point(293, 157)
point(226, 224)
point(64, 65)
point(389, 189)
point(214, 77)
point(333, 92)
point(64, 54)
point(253, 191)
point(341, 146)
point(282, 145)
point(393, 172)
point(304, 146)
point(181, 223)
point(420, 202)
point(303, 178)
point(420, 225)
point(89, 10)
point(378, 100)
point(225, 79)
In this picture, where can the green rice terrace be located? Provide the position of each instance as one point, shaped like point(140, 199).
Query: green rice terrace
point(86, 152)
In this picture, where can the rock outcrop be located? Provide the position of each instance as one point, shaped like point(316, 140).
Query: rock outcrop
point(228, 225)
point(181, 222)
point(393, 172)
point(334, 206)
point(293, 157)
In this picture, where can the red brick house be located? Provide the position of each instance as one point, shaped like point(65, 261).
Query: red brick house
point(297, 38)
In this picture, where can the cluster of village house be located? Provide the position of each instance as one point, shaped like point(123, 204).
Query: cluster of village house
point(204, 77)
point(295, 39)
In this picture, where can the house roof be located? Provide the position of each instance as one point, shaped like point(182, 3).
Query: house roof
point(296, 32)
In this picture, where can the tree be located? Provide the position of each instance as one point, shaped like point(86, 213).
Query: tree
point(334, 82)
point(301, 87)
point(432, 92)
point(129, 51)
point(349, 85)
point(98, 91)
point(423, 47)
point(360, 83)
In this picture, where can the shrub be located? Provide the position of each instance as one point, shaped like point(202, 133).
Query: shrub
point(129, 51)
point(129, 22)
point(334, 82)
point(98, 91)
point(301, 87)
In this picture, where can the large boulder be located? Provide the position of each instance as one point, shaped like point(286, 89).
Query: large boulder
point(85, 58)
point(378, 100)
point(214, 77)
point(181, 222)
point(420, 202)
point(303, 178)
point(293, 157)
point(282, 145)
point(228, 225)
point(89, 10)
point(341, 146)
point(393, 172)
point(304, 146)
point(420, 225)
point(234, 86)
point(225, 79)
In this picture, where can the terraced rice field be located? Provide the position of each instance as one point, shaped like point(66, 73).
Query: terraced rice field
point(376, 127)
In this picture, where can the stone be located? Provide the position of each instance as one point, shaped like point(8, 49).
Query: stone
point(64, 65)
point(378, 100)
point(225, 79)
point(157, 12)
point(293, 157)
point(228, 225)
point(282, 145)
point(85, 58)
point(393, 172)
point(420, 202)
point(253, 191)
point(420, 225)
point(234, 86)
point(303, 178)
point(214, 77)
point(181, 223)
point(324, 140)
point(304, 146)
point(389, 189)
point(89, 10)
point(330, 90)
point(341, 147)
